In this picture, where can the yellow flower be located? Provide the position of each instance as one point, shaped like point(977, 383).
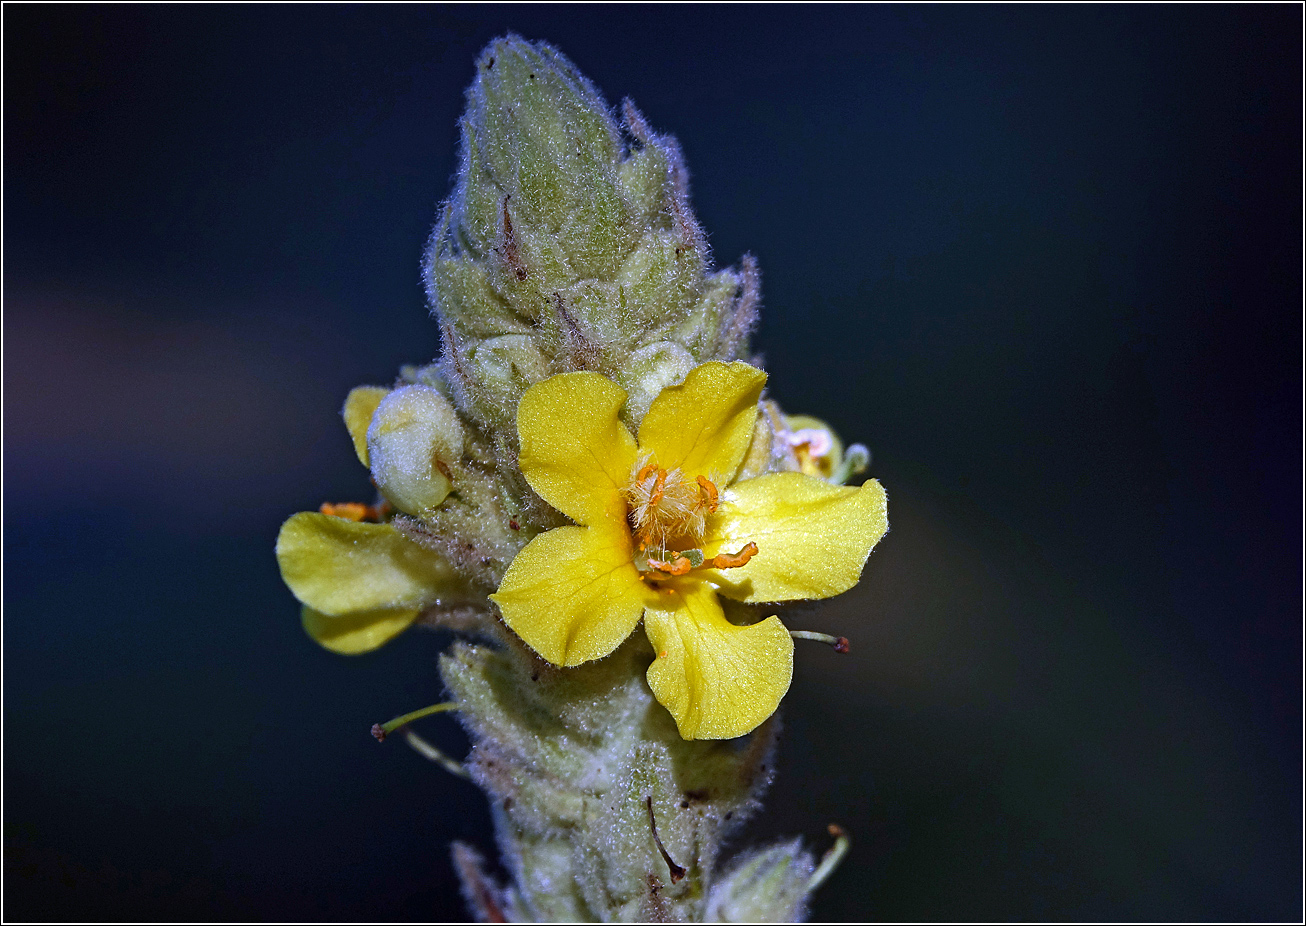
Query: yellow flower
point(662, 530)
point(361, 584)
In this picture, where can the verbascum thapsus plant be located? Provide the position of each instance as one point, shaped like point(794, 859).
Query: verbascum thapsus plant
point(593, 451)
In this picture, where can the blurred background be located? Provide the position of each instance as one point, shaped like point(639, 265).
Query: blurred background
point(1045, 262)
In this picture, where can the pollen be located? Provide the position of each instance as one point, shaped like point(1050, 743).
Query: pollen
point(666, 509)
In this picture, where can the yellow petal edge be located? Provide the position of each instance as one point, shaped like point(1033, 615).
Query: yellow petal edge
point(358, 633)
point(575, 452)
point(812, 538)
point(718, 680)
point(359, 408)
point(704, 425)
point(340, 567)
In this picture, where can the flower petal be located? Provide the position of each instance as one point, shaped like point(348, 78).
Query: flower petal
point(359, 408)
point(356, 633)
point(719, 680)
point(575, 452)
point(812, 538)
point(704, 425)
point(572, 594)
point(341, 567)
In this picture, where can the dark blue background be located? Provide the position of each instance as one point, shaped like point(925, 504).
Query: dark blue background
point(1045, 261)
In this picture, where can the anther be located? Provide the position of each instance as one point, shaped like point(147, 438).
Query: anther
point(354, 511)
point(677, 567)
point(726, 561)
point(840, 644)
point(658, 486)
point(709, 493)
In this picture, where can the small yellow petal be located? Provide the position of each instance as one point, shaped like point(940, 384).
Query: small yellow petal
point(356, 633)
point(342, 567)
point(812, 538)
point(704, 425)
point(359, 408)
point(572, 594)
point(718, 680)
point(575, 452)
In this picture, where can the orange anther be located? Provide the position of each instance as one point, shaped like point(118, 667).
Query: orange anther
point(355, 511)
point(709, 493)
point(657, 488)
point(350, 511)
point(678, 567)
point(726, 561)
point(645, 471)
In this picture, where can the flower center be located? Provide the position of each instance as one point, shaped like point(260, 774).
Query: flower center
point(668, 516)
point(814, 449)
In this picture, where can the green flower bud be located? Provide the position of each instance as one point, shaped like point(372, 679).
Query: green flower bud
point(412, 441)
point(698, 332)
point(544, 137)
point(643, 178)
point(651, 369)
point(661, 280)
point(765, 886)
point(501, 369)
point(485, 310)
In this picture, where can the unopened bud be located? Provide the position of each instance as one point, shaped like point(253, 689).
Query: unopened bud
point(414, 436)
point(500, 370)
point(544, 135)
point(660, 280)
point(653, 368)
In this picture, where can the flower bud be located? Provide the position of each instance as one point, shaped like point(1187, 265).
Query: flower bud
point(764, 886)
point(544, 136)
point(699, 331)
point(651, 369)
point(414, 437)
point(661, 279)
point(500, 370)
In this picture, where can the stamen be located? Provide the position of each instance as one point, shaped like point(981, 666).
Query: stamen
point(382, 730)
point(658, 486)
point(816, 440)
point(840, 644)
point(678, 567)
point(709, 493)
point(666, 505)
point(830, 861)
point(726, 561)
point(355, 511)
